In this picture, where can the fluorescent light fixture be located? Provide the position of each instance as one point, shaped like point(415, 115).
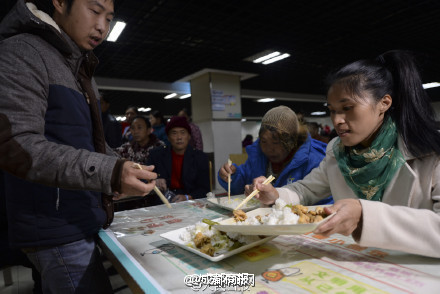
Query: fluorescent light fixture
point(431, 85)
point(265, 100)
point(121, 118)
point(170, 95)
point(142, 109)
point(185, 96)
point(318, 113)
point(116, 31)
point(279, 57)
point(243, 119)
point(266, 57)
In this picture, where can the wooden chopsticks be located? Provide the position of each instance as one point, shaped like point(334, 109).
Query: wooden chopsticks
point(229, 182)
point(255, 192)
point(156, 189)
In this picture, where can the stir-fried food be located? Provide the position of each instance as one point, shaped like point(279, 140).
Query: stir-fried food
point(209, 240)
point(282, 214)
point(239, 215)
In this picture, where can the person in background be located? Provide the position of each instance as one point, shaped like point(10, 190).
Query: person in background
point(313, 128)
point(158, 123)
point(112, 128)
point(282, 150)
point(130, 113)
point(196, 135)
point(384, 168)
point(54, 159)
point(325, 131)
point(248, 140)
point(143, 141)
point(183, 170)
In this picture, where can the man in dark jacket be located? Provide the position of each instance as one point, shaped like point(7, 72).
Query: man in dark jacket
point(53, 152)
point(183, 170)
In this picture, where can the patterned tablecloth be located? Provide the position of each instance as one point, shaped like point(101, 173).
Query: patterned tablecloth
point(306, 263)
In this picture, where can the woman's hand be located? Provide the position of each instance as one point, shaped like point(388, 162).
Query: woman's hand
point(226, 170)
point(248, 189)
point(268, 194)
point(346, 221)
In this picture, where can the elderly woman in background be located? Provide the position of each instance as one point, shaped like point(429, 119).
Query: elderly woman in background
point(284, 150)
point(143, 141)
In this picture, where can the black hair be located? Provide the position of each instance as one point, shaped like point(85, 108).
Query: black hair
point(145, 119)
point(47, 6)
point(395, 73)
point(132, 107)
point(158, 115)
point(249, 137)
point(186, 111)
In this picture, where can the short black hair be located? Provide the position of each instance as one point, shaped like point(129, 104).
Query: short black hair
point(145, 119)
point(132, 107)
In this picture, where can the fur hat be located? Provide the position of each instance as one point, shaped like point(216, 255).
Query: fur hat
point(178, 122)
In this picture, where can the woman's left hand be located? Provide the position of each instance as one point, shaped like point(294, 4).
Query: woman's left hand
point(180, 198)
point(347, 218)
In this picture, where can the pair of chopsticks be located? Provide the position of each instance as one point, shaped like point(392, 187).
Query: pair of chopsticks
point(255, 192)
point(229, 182)
point(156, 189)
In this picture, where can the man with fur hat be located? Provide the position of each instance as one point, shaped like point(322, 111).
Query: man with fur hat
point(182, 170)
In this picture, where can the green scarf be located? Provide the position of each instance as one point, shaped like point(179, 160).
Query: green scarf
point(367, 171)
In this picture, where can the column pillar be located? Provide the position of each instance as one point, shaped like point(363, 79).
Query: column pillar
point(216, 109)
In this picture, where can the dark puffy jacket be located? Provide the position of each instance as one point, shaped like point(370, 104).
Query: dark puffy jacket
point(195, 170)
point(46, 138)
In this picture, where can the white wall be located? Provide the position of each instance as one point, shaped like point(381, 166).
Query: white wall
point(250, 127)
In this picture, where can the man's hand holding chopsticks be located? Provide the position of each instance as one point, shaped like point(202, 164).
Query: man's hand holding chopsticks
point(268, 194)
point(130, 180)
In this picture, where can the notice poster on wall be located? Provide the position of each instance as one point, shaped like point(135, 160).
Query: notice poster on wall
point(224, 105)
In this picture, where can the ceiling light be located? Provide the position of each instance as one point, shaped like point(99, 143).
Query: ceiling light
point(431, 85)
point(277, 58)
point(170, 96)
point(142, 109)
point(121, 118)
point(116, 31)
point(318, 113)
point(264, 100)
point(185, 96)
point(243, 119)
point(266, 57)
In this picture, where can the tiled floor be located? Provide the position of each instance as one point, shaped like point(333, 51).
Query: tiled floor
point(23, 283)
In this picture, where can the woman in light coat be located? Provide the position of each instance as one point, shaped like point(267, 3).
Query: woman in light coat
point(383, 169)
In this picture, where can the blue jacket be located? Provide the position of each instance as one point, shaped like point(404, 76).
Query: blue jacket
point(159, 131)
point(308, 156)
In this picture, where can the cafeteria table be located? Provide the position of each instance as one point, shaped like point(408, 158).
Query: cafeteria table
point(307, 263)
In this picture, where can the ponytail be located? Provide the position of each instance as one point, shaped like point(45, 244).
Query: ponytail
point(411, 109)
